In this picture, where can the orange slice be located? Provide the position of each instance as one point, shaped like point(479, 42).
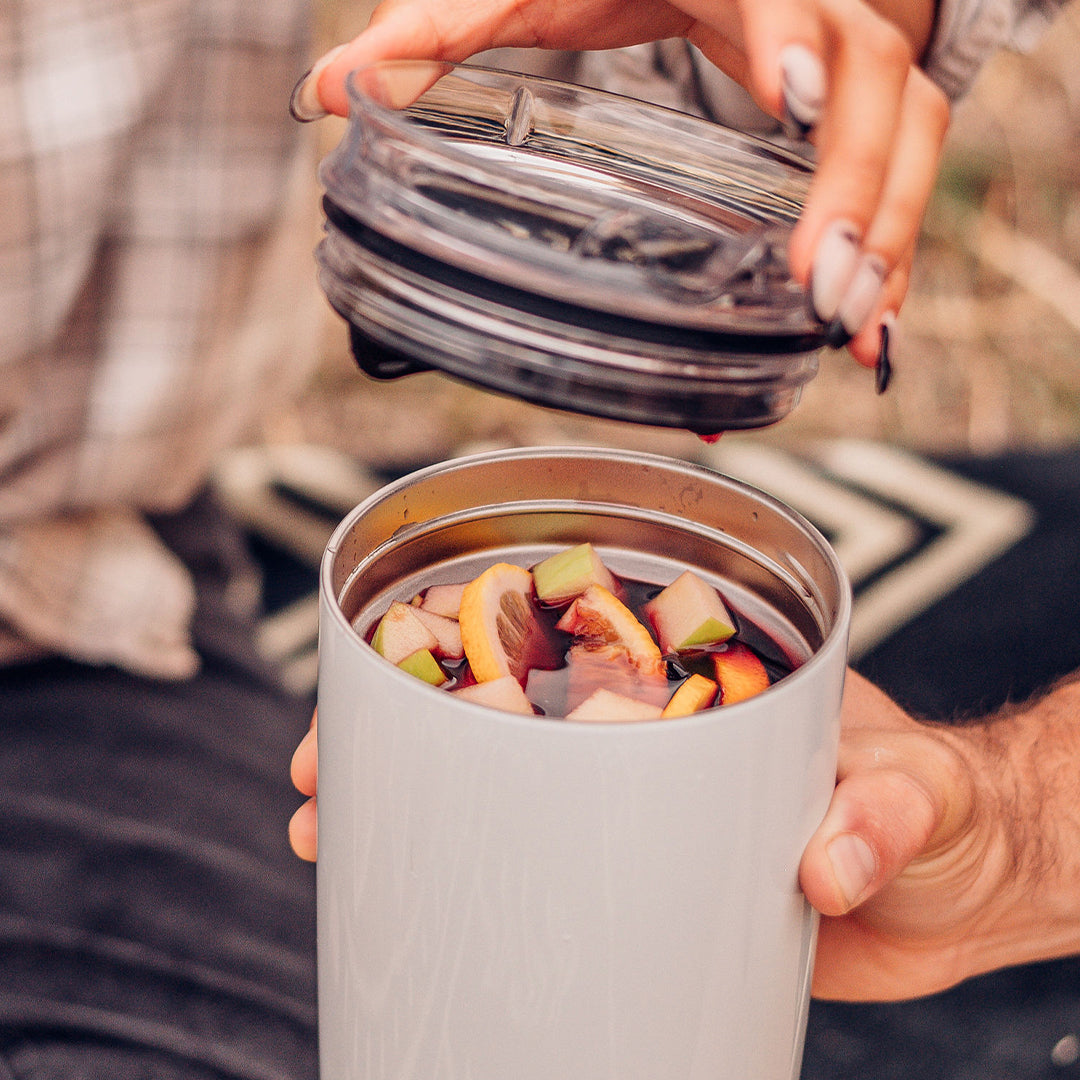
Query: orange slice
point(597, 615)
point(498, 622)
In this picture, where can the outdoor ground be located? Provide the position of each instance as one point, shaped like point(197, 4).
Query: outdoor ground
point(989, 353)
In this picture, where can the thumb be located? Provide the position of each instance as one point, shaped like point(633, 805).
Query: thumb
point(878, 821)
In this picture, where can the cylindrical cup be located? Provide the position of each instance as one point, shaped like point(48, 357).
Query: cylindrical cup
point(513, 898)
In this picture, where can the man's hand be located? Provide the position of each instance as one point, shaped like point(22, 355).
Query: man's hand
point(947, 851)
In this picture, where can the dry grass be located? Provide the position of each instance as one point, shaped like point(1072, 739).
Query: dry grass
point(989, 352)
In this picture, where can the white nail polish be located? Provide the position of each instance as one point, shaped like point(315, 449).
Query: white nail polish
point(803, 80)
point(834, 268)
point(862, 293)
point(304, 103)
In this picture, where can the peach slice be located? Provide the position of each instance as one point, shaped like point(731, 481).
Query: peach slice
point(606, 705)
point(567, 574)
point(598, 616)
point(498, 622)
point(740, 673)
point(504, 693)
point(695, 694)
point(689, 614)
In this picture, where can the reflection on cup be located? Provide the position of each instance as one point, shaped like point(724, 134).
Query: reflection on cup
point(518, 897)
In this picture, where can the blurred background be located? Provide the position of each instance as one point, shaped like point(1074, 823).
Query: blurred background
point(988, 357)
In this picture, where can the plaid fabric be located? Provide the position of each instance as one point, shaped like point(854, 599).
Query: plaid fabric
point(968, 32)
point(151, 286)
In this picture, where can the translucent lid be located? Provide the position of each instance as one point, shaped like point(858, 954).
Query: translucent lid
point(569, 246)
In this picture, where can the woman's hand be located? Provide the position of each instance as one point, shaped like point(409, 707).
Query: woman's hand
point(305, 776)
point(842, 70)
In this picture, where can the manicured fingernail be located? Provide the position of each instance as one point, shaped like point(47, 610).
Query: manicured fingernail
point(883, 369)
point(853, 865)
point(304, 104)
point(859, 299)
point(802, 80)
point(834, 268)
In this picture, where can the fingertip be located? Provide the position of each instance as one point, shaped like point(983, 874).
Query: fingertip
point(303, 831)
point(803, 88)
point(828, 891)
point(304, 766)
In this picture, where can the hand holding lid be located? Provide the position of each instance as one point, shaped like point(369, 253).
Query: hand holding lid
point(840, 70)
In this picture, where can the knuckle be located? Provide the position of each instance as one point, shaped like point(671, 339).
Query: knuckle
point(886, 44)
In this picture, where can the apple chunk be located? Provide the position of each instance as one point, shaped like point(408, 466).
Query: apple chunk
point(443, 599)
point(605, 705)
point(689, 614)
point(567, 574)
point(503, 693)
point(423, 665)
point(446, 630)
point(400, 633)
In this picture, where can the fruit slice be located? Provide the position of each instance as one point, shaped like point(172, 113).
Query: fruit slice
point(443, 599)
point(423, 665)
point(689, 614)
point(695, 694)
point(400, 633)
point(498, 623)
point(446, 630)
point(567, 574)
point(504, 693)
point(599, 617)
point(740, 673)
point(591, 667)
point(605, 705)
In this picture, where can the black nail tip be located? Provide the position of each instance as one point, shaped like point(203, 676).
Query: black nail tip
point(837, 334)
point(294, 101)
point(795, 128)
point(883, 369)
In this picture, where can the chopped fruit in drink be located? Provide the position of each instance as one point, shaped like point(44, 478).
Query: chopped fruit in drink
point(605, 705)
point(400, 633)
point(600, 617)
point(424, 666)
point(695, 694)
point(498, 622)
point(443, 599)
point(689, 614)
point(446, 630)
point(567, 574)
point(740, 673)
point(592, 667)
point(504, 693)
point(588, 667)
point(591, 656)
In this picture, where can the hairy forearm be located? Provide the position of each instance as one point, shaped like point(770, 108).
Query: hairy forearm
point(1028, 762)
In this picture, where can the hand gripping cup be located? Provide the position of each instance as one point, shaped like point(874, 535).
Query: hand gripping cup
point(504, 897)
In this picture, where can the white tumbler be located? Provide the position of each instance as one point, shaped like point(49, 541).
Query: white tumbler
point(515, 898)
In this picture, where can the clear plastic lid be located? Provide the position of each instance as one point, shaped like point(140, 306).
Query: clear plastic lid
point(571, 247)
